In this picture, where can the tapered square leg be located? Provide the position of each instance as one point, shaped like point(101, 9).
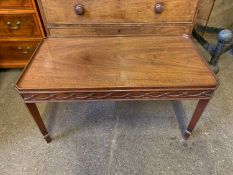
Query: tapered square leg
point(36, 116)
point(196, 116)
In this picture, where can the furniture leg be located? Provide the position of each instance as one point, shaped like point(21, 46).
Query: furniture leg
point(36, 116)
point(196, 116)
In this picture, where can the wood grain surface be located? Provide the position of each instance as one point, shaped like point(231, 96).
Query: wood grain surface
point(117, 63)
point(118, 11)
point(16, 53)
point(16, 4)
point(20, 32)
point(118, 30)
point(28, 26)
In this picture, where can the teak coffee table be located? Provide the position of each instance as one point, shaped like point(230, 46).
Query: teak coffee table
point(116, 68)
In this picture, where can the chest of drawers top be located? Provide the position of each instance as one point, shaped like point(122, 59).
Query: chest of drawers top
point(117, 17)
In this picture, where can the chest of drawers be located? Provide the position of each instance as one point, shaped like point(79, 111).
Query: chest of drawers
point(20, 32)
point(118, 18)
point(117, 50)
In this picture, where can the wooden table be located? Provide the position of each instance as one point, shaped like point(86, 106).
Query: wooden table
point(116, 68)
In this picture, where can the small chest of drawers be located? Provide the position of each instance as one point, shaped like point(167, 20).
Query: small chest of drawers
point(117, 50)
point(118, 17)
point(20, 32)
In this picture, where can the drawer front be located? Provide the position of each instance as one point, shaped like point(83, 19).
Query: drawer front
point(120, 30)
point(16, 51)
point(19, 25)
point(118, 11)
point(15, 4)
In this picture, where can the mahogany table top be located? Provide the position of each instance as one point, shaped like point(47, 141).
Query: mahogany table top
point(117, 63)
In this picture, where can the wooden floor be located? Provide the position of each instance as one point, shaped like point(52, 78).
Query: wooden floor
point(116, 63)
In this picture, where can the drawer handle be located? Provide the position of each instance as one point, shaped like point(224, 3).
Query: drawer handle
point(159, 7)
point(79, 9)
point(25, 50)
point(16, 27)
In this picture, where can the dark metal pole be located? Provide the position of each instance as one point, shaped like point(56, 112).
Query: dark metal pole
point(224, 37)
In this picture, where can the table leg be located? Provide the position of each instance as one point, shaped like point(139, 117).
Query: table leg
point(36, 115)
point(196, 116)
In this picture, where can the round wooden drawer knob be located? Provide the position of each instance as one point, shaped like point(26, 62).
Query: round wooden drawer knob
point(79, 9)
point(159, 7)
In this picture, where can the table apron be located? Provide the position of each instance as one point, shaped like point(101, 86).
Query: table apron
point(34, 97)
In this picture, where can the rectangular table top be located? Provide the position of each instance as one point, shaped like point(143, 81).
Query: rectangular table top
point(95, 63)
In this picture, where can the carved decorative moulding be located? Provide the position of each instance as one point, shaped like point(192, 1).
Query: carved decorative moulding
point(117, 95)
